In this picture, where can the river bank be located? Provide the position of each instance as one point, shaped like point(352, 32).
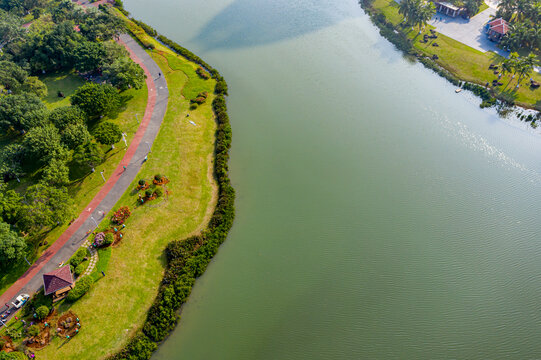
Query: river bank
point(461, 65)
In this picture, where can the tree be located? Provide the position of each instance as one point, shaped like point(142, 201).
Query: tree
point(34, 85)
point(10, 204)
point(12, 246)
point(19, 111)
point(107, 133)
point(10, 161)
point(63, 116)
point(12, 76)
point(42, 312)
point(10, 29)
point(56, 173)
point(472, 6)
point(74, 135)
point(124, 74)
point(113, 51)
point(88, 156)
point(88, 56)
point(417, 12)
point(100, 25)
point(42, 143)
point(96, 100)
point(44, 206)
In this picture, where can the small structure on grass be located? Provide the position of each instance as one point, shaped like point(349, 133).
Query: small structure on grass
point(447, 8)
point(58, 282)
point(496, 29)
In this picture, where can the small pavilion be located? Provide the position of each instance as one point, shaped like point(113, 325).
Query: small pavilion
point(497, 28)
point(58, 282)
point(448, 8)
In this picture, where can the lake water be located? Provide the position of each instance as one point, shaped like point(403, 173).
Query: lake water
point(379, 214)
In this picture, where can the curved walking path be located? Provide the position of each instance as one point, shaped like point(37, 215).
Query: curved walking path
point(115, 186)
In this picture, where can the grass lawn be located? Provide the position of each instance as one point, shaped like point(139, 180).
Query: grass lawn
point(117, 304)
point(65, 82)
point(461, 60)
point(84, 189)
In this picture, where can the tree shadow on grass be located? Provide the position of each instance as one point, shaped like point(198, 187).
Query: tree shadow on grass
point(124, 99)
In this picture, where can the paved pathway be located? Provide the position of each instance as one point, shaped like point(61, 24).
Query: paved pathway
point(468, 31)
point(116, 184)
point(93, 257)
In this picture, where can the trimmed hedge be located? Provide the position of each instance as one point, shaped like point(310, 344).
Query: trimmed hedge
point(81, 287)
point(187, 259)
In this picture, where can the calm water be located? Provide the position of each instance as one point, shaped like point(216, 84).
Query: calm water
point(379, 214)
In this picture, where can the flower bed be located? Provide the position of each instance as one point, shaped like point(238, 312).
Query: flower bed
point(120, 216)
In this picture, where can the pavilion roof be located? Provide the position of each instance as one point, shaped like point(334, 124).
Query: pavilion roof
point(501, 28)
point(57, 279)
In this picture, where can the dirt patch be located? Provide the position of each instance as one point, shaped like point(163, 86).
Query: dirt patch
point(117, 235)
point(41, 340)
point(8, 346)
point(68, 324)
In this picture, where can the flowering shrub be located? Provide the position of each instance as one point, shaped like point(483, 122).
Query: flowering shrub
point(99, 239)
point(121, 215)
point(202, 73)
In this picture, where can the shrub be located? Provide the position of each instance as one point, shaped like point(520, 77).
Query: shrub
point(158, 177)
point(148, 193)
point(158, 192)
point(2, 343)
point(81, 287)
point(79, 270)
point(99, 239)
point(42, 312)
point(202, 73)
point(193, 106)
point(78, 257)
point(32, 330)
point(120, 216)
point(109, 239)
point(142, 182)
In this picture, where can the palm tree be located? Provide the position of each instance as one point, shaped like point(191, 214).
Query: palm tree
point(426, 12)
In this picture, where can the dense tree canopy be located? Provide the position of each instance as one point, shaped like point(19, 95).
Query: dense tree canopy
point(88, 156)
point(88, 56)
point(56, 173)
point(10, 204)
point(11, 156)
point(525, 19)
point(44, 206)
point(96, 99)
point(20, 112)
point(74, 135)
point(125, 74)
point(43, 143)
point(12, 246)
point(107, 133)
point(417, 12)
point(66, 115)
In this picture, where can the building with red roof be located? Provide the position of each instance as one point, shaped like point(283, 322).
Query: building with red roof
point(58, 282)
point(497, 28)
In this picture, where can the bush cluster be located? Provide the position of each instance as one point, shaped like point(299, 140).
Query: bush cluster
point(78, 257)
point(148, 29)
point(42, 312)
point(81, 287)
point(200, 98)
point(202, 73)
point(187, 259)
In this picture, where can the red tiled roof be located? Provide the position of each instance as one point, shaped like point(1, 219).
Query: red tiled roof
point(57, 279)
point(497, 21)
point(502, 28)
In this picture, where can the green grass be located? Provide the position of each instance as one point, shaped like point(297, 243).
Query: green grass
point(461, 60)
point(116, 306)
point(84, 189)
point(66, 82)
point(482, 8)
point(104, 255)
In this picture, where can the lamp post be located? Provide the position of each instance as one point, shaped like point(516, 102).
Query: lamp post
point(136, 118)
point(92, 217)
point(103, 177)
point(124, 138)
point(146, 142)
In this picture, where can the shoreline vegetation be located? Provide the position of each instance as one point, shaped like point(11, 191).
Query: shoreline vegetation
point(461, 65)
point(187, 259)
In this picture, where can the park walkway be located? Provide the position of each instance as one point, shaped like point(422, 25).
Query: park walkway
point(115, 186)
